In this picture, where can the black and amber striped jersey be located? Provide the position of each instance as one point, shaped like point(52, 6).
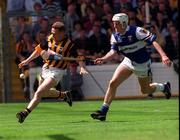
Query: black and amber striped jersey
point(65, 47)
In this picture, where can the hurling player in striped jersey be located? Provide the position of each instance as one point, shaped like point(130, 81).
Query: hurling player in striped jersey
point(131, 41)
point(57, 46)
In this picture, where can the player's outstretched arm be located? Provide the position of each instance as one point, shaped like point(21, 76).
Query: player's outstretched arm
point(105, 58)
point(165, 59)
point(34, 55)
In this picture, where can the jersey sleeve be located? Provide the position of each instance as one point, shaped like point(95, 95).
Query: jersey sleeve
point(50, 38)
point(143, 34)
point(113, 43)
point(38, 49)
point(42, 46)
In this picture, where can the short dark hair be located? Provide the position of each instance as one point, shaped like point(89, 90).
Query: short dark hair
point(59, 25)
point(44, 45)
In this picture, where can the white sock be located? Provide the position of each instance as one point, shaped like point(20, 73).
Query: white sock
point(105, 104)
point(159, 86)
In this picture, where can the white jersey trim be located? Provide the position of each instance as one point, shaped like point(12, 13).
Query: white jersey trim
point(132, 47)
point(142, 33)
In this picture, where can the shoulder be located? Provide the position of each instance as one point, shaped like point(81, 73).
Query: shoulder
point(131, 29)
point(142, 30)
point(50, 38)
point(69, 43)
point(67, 40)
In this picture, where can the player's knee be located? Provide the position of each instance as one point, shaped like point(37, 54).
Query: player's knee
point(113, 84)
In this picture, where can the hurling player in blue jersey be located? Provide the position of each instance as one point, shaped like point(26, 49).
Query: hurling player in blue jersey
point(131, 41)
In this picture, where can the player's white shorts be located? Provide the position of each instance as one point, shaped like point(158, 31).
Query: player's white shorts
point(141, 70)
point(55, 73)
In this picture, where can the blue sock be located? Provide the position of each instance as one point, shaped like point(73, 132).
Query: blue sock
point(105, 108)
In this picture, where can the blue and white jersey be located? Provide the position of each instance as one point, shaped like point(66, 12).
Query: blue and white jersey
point(132, 43)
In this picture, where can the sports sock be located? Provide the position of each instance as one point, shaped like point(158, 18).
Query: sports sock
point(159, 86)
point(61, 94)
point(26, 112)
point(105, 108)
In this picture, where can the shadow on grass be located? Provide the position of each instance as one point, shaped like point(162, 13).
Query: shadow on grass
point(1, 137)
point(60, 137)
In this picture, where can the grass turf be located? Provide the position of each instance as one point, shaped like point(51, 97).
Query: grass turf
point(156, 119)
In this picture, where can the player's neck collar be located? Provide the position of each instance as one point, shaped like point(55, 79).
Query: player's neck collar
point(127, 28)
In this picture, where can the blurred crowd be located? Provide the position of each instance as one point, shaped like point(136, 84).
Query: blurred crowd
point(88, 24)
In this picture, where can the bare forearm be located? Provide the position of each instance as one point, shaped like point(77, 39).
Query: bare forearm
point(165, 59)
point(32, 56)
point(159, 49)
point(109, 55)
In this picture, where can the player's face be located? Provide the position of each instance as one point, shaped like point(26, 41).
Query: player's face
point(118, 27)
point(58, 35)
point(55, 32)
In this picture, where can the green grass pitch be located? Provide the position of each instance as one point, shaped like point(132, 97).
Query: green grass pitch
point(156, 119)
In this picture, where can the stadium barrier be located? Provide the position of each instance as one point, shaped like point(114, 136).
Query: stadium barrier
point(128, 89)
